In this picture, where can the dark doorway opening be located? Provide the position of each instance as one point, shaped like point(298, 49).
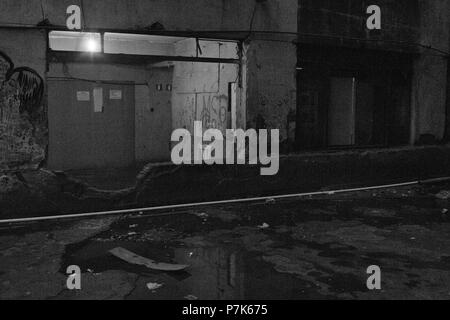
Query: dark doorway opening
point(351, 98)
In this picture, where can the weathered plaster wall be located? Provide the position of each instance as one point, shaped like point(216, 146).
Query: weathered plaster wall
point(407, 25)
point(154, 116)
point(447, 128)
point(173, 14)
point(23, 129)
point(271, 61)
point(200, 93)
point(429, 90)
point(200, 90)
point(271, 91)
point(264, 80)
point(343, 19)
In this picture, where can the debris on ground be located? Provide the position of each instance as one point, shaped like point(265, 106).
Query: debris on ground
point(133, 258)
point(132, 226)
point(444, 211)
point(270, 201)
point(443, 195)
point(202, 215)
point(153, 286)
point(264, 226)
point(191, 297)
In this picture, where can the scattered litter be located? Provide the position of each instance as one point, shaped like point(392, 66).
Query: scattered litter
point(264, 226)
point(270, 201)
point(133, 226)
point(90, 270)
point(132, 233)
point(191, 297)
point(202, 215)
point(443, 195)
point(413, 238)
point(133, 258)
point(444, 211)
point(153, 286)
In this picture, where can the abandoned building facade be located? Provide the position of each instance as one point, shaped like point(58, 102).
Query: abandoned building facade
point(111, 94)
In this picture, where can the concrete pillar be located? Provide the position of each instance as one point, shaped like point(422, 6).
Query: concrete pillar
point(271, 93)
point(429, 85)
point(447, 127)
point(271, 61)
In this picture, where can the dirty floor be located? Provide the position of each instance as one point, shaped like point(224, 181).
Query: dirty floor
point(315, 248)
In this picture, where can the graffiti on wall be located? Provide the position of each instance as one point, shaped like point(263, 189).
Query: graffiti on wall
point(209, 108)
point(212, 111)
point(21, 94)
point(25, 83)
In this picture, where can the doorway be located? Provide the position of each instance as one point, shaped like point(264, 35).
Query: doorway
point(91, 124)
point(341, 112)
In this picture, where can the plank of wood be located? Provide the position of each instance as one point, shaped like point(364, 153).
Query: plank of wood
point(133, 258)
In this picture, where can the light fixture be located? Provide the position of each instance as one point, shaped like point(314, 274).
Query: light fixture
point(91, 45)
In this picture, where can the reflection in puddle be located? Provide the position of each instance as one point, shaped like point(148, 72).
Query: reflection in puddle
point(215, 272)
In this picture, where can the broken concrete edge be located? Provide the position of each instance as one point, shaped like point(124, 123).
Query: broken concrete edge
point(161, 185)
point(44, 192)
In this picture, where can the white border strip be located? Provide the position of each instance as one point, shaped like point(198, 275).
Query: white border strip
point(201, 204)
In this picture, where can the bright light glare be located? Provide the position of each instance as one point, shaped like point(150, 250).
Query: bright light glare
point(91, 45)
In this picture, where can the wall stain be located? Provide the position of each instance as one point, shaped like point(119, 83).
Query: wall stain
point(21, 95)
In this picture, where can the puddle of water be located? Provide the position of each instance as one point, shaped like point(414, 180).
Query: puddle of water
point(227, 270)
point(215, 272)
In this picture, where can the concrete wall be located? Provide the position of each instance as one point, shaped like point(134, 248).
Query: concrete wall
point(271, 65)
point(23, 129)
point(200, 90)
point(271, 61)
point(173, 14)
point(447, 128)
point(407, 25)
point(430, 72)
point(347, 19)
point(154, 116)
point(201, 94)
point(271, 86)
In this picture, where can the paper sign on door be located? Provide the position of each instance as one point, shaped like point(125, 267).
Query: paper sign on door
point(98, 100)
point(83, 96)
point(115, 94)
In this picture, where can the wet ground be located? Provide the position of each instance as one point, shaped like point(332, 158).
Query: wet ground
point(315, 248)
